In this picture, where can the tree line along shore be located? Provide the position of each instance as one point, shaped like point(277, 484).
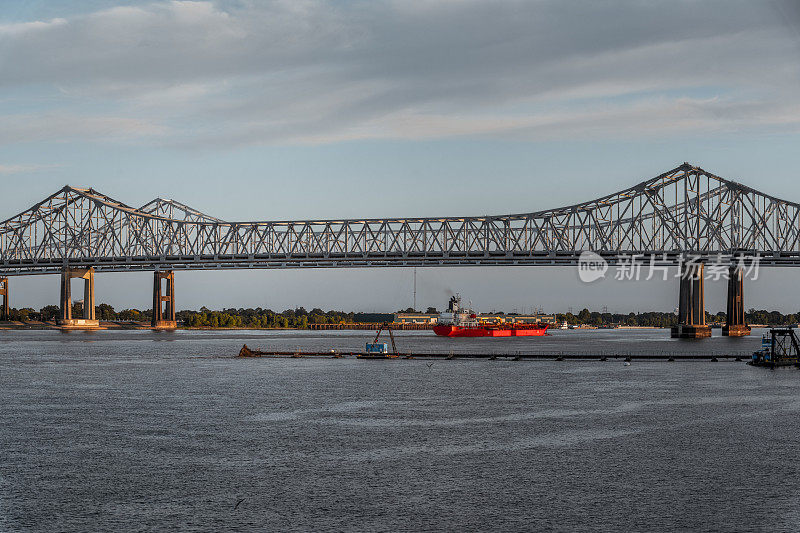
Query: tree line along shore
point(299, 318)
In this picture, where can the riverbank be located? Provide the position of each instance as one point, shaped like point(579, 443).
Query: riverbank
point(124, 325)
point(36, 324)
point(132, 325)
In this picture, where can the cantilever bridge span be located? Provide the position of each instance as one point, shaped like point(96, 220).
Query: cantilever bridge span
point(684, 210)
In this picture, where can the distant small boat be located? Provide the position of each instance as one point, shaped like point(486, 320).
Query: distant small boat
point(626, 363)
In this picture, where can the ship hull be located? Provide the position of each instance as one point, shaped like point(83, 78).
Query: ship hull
point(491, 331)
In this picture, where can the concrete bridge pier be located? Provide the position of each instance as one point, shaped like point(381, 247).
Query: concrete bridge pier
point(5, 306)
point(164, 301)
point(67, 321)
point(735, 325)
point(691, 305)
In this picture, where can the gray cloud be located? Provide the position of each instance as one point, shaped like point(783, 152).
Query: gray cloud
point(62, 126)
point(306, 71)
point(19, 169)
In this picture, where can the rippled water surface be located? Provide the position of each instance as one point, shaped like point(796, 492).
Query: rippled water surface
point(137, 430)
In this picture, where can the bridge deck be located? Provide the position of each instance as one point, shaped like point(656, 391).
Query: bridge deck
point(683, 211)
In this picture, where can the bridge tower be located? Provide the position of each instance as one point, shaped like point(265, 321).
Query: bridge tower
point(5, 306)
point(691, 306)
point(164, 301)
point(67, 321)
point(735, 325)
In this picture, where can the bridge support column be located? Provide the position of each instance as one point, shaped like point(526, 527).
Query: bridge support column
point(5, 305)
point(735, 325)
point(164, 301)
point(89, 320)
point(691, 305)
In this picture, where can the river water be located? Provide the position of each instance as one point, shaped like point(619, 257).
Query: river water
point(143, 431)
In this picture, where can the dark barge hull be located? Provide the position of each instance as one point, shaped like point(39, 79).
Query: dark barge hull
point(768, 364)
point(247, 352)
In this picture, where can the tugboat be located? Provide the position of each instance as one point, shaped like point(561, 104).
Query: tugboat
point(459, 321)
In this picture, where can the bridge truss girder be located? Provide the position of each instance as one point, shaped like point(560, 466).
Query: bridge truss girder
point(684, 211)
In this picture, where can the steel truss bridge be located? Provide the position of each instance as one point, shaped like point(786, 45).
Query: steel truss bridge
point(685, 210)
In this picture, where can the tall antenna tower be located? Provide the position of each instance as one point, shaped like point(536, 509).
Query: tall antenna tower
point(415, 288)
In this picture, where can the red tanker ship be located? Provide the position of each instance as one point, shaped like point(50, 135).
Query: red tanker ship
point(460, 322)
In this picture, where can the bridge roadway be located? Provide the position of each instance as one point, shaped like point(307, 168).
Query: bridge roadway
point(77, 232)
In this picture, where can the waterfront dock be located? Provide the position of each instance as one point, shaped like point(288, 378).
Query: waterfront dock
point(371, 325)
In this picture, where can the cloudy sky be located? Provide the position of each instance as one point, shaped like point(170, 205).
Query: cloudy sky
point(303, 108)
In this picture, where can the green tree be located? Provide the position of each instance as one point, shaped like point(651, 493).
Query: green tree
point(130, 314)
point(105, 312)
point(49, 312)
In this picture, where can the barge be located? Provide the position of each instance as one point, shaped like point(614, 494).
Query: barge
point(780, 347)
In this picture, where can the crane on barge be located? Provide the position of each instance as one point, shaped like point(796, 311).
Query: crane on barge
point(376, 350)
point(780, 347)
